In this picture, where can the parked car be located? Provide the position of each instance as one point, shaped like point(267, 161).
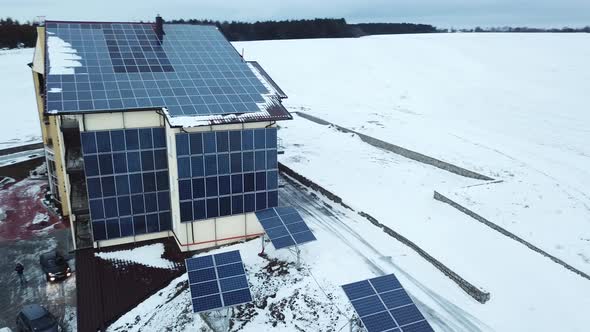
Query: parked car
point(35, 318)
point(55, 266)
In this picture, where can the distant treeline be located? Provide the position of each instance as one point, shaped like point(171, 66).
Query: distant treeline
point(519, 29)
point(15, 34)
point(301, 29)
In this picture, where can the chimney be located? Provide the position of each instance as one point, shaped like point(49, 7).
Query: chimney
point(160, 27)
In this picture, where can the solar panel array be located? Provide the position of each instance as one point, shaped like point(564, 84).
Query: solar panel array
point(284, 227)
point(383, 305)
point(226, 172)
point(193, 70)
point(217, 281)
point(127, 181)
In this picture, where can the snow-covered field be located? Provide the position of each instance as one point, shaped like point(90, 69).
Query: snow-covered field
point(18, 107)
point(511, 106)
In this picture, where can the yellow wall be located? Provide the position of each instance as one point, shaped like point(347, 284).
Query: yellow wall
point(52, 137)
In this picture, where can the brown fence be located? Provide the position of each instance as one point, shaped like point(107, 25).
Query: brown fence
point(106, 290)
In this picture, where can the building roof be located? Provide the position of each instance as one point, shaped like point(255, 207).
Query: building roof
point(191, 72)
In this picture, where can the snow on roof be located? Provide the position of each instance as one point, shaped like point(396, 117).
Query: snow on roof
point(270, 110)
point(63, 57)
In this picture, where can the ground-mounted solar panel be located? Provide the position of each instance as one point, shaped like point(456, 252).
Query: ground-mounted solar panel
point(382, 304)
point(285, 227)
point(191, 70)
point(217, 281)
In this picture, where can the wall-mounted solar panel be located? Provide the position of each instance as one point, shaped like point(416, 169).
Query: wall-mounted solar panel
point(382, 304)
point(284, 227)
point(217, 281)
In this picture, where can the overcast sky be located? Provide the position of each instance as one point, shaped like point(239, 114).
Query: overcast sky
point(442, 13)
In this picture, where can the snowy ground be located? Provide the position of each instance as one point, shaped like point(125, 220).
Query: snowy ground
point(511, 106)
point(17, 99)
point(349, 248)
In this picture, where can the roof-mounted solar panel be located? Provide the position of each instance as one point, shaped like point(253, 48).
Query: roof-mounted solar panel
point(217, 281)
point(192, 70)
point(383, 305)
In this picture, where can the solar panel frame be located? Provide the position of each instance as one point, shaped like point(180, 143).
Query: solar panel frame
point(285, 227)
point(382, 304)
point(217, 281)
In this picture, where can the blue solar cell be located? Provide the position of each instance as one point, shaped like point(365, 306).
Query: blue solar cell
point(249, 203)
point(303, 237)
point(358, 290)
point(237, 204)
point(271, 222)
point(379, 322)
point(297, 227)
point(396, 298)
point(265, 214)
point(406, 315)
point(202, 275)
point(271, 138)
point(233, 283)
point(368, 305)
point(88, 142)
point(385, 283)
point(237, 297)
point(103, 141)
point(228, 257)
point(207, 303)
point(105, 162)
point(204, 288)
point(284, 210)
point(283, 242)
point(198, 263)
point(276, 232)
point(273, 199)
point(260, 201)
point(196, 142)
point(230, 270)
point(421, 326)
point(91, 165)
point(291, 218)
point(182, 144)
point(133, 161)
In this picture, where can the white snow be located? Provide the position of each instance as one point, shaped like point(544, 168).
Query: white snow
point(2, 214)
point(40, 218)
point(17, 96)
point(62, 57)
point(150, 255)
point(511, 106)
point(19, 157)
point(55, 90)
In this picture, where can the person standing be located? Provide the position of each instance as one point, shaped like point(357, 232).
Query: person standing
point(20, 270)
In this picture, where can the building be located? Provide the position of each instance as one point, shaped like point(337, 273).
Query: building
point(155, 130)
